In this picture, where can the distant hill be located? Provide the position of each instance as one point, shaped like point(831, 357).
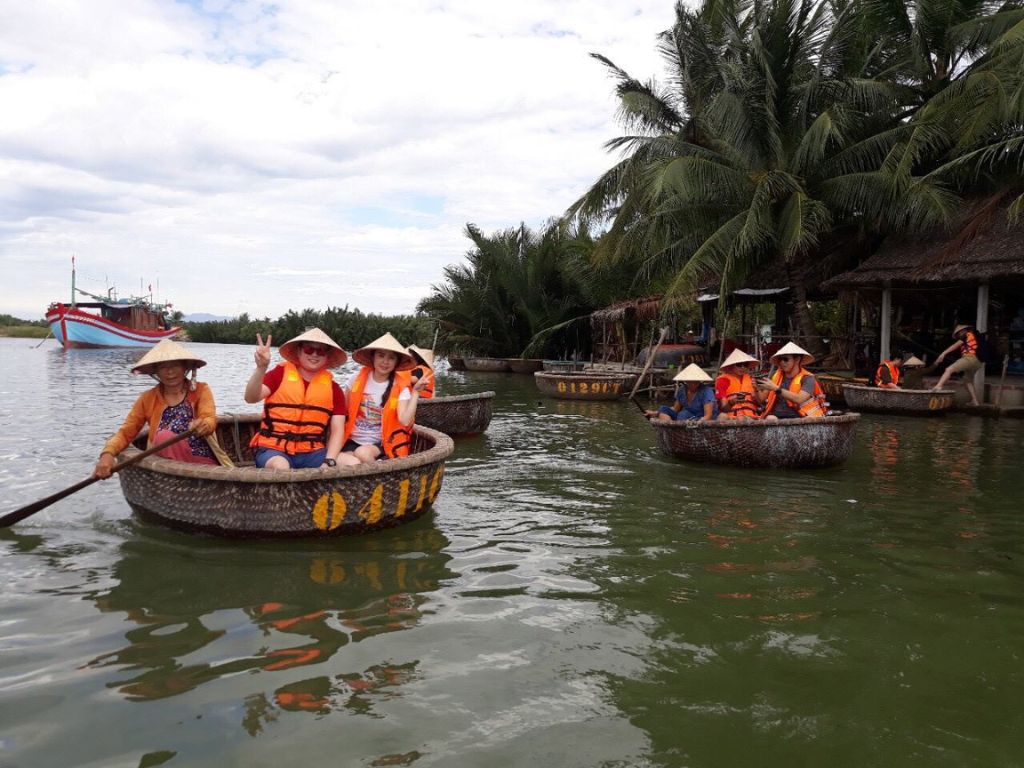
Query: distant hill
point(203, 317)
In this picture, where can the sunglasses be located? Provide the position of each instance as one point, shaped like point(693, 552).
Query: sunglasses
point(786, 358)
point(312, 349)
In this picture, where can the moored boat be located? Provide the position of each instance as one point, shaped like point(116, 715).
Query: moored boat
point(524, 364)
point(456, 363)
point(486, 364)
point(584, 385)
point(131, 322)
point(833, 383)
point(244, 501)
point(456, 414)
point(909, 402)
point(787, 443)
point(562, 366)
point(116, 325)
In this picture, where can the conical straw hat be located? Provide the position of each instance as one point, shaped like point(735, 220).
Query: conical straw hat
point(167, 351)
point(738, 357)
point(387, 343)
point(692, 372)
point(913, 362)
point(422, 356)
point(290, 349)
point(960, 328)
point(793, 349)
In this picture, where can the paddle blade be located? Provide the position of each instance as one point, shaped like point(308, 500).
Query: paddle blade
point(20, 514)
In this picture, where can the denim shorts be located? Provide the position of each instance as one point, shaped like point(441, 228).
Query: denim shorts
point(310, 460)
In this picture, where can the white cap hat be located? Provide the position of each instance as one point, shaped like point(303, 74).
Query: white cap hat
point(290, 349)
point(738, 357)
point(793, 349)
point(386, 343)
point(167, 351)
point(692, 372)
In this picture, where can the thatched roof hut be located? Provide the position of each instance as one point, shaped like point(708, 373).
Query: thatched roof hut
point(985, 248)
point(640, 310)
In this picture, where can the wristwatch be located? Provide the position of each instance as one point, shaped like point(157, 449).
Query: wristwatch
point(330, 462)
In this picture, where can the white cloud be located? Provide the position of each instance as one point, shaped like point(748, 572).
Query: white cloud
point(260, 158)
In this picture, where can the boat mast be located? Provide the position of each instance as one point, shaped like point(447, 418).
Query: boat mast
point(72, 281)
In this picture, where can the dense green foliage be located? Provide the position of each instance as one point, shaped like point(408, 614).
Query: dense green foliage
point(26, 329)
point(522, 293)
point(787, 139)
point(349, 328)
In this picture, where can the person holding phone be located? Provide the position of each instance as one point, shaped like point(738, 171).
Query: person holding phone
point(793, 393)
point(424, 367)
point(734, 387)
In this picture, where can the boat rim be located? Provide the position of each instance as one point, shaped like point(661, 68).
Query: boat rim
point(843, 418)
point(443, 447)
point(899, 390)
point(457, 398)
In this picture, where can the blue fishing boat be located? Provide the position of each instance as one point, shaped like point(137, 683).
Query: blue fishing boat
point(112, 322)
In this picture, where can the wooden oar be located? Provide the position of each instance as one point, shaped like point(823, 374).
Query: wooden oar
point(20, 514)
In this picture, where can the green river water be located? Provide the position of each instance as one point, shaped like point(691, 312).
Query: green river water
point(574, 599)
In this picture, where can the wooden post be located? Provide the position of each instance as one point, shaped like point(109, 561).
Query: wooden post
point(650, 360)
point(886, 319)
point(982, 326)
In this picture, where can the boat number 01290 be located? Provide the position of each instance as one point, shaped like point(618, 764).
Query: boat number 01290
point(590, 387)
point(330, 509)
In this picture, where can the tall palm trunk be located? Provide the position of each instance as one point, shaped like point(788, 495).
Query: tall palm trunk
point(806, 328)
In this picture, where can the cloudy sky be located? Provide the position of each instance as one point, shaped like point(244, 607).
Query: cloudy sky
point(265, 156)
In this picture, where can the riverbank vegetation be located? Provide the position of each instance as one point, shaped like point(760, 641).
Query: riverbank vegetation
point(788, 138)
point(26, 329)
point(351, 328)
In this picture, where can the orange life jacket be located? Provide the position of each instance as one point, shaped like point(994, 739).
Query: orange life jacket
point(739, 383)
point(813, 406)
point(296, 416)
point(428, 389)
point(894, 374)
point(396, 438)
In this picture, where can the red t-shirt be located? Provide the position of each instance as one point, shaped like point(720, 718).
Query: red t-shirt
point(272, 379)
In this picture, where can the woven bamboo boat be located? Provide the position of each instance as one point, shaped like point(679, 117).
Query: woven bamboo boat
point(244, 501)
point(492, 364)
point(562, 366)
point(456, 414)
point(456, 363)
point(788, 443)
point(833, 384)
point(525, 365)
point(584, 385)
point(910, 402)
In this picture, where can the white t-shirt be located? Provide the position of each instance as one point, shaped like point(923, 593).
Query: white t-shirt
point(368, 420)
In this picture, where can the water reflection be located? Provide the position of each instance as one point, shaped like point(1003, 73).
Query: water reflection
point(201, 611)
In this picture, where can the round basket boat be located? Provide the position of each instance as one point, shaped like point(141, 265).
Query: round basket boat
point(456, 363)
point(456, 414)
point(909, 402)
point(492, 364)
point(833, 384)
point(584, 386)
point(562, 366)
point(789, 443)
point(675, 355)
point(244, 501)
point(525, 365)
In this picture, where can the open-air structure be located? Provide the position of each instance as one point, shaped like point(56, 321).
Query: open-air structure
point(972, 275)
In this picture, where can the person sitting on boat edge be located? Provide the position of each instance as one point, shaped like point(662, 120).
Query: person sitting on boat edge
point(967, 345)
point(888, 374)
point(793, 393)
point(381, 403)
point(734, 387)
point(303, 406)
point(424, 359)
point(695, 400)
point(173, 406)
